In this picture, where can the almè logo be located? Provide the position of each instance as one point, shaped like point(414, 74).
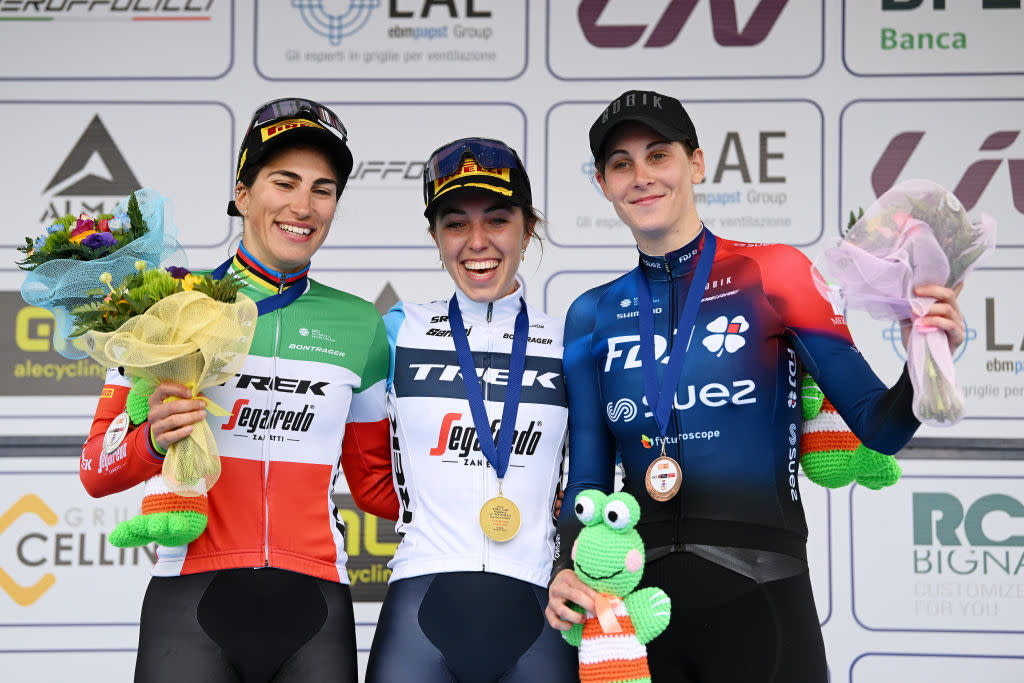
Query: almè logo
point(95, 142)
point(29, 504)
point(724, 24)
point(975, 179)
point(336, 26)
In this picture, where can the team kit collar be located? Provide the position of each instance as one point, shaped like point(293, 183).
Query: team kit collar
point(283, 288)
point(674, 264)
point(505, 308)
point(245, 260)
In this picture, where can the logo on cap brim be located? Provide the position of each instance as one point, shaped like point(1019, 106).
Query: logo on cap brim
point(279, 127)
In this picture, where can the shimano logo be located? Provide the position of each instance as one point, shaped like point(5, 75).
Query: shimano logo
point(288, 386)
point(440, 372)
point(624, 409)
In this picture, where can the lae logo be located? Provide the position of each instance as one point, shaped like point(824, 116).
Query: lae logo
point(29, 504)
point(119, 180)
point(336, 26)
point(624, 409)
point(724, 25)
point(974, 180)
point(726, 335)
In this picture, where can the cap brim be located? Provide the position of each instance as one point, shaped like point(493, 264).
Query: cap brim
point(667, 131)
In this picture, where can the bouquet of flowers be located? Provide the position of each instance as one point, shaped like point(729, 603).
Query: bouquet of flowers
point(171, 325)
point(67, 259)
point(917, 233)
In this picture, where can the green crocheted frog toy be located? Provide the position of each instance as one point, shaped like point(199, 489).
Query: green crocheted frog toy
point(167, 518)
point(830, 454)
point(608, 556)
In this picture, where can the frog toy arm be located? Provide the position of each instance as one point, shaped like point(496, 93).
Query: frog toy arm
point(649, 609)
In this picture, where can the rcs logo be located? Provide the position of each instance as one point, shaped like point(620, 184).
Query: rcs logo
point(29, 504)
point(33, 327)
point(724, 25)
point(942, 530)
point(975, 179)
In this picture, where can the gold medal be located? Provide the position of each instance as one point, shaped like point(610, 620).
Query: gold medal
point(499, 518)
point(115, 433)
point(664, 477)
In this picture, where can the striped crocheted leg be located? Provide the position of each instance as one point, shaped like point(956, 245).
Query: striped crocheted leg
point(167, 519)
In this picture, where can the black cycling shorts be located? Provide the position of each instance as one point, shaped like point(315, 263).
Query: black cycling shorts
point(248, 626)
point(468, 627)
point(727, 628)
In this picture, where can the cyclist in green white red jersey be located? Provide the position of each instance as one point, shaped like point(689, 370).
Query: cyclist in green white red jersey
point(262, 593)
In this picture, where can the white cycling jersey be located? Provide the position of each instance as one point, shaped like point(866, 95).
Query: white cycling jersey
point(440, 474)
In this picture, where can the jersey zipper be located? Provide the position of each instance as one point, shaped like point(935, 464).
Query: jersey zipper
point(483, 470)
point(673, 321)
point(266, 437)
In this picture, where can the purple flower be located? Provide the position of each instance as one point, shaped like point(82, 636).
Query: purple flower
point(177, 272)
point(99, 240)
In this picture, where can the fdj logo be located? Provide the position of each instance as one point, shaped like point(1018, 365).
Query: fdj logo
point(724, 25)
point(29, 504)
point(975, 179)
point(941, 524)
point(336, 26)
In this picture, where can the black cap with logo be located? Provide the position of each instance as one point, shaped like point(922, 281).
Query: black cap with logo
point(294, 121)
point(663, 113)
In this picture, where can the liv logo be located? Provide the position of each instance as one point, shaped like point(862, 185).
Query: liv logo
point(975, 179)
point(336, 26)
point(724, 24)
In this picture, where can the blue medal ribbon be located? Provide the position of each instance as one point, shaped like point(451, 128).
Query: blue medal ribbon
point(660, 401)
point(499, 455)
point(274, 301)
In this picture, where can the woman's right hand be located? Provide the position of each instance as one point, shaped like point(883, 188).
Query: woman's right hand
point(172, 421)
point(567, 588)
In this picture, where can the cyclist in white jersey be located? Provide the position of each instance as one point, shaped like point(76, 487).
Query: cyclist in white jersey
point(475, 465)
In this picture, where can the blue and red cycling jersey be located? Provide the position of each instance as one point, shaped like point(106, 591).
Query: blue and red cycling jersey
point(735, 424)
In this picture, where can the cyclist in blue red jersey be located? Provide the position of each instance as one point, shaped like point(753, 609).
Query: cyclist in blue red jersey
point(476, 462)
point(687, 368)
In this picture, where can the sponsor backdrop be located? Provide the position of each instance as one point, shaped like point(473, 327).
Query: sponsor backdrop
point(806, 109)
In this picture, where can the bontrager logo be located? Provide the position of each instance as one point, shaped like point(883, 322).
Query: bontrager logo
point(726, 335)
point(624, 409)
point(724, 25)
point(29, 504)
point(118, 179)
point(975, 179)
point(336, 26)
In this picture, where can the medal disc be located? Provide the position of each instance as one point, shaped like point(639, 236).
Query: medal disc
point(664, 477)
point(115, 433)
point(499, 519)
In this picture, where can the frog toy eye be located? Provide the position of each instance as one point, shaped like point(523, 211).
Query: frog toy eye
point(617, 514)
point(588, 507)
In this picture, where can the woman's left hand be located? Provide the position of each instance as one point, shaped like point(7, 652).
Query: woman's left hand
point(943, 314)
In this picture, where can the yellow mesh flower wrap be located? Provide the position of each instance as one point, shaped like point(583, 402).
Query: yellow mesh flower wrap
point(193, 340)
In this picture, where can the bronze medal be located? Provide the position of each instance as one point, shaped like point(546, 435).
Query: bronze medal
point(499, 519)
point(664, 477)
point(115, 433)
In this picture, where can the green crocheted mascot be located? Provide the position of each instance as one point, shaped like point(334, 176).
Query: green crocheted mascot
point(830, 454)
point(608, 556)
point(167, 518)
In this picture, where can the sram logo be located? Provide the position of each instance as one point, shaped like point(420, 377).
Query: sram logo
point(724, 25)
